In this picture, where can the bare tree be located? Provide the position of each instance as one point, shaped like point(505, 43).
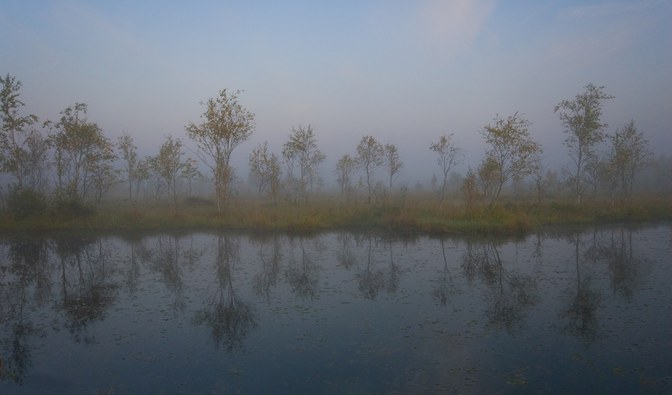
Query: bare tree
point(190, 173)
point(629, 153)
point(370, 156)
point(129, 153)
point(226, 124)
point(581, 119)
point(448, 155)
point(265, 167)
point(301, 150)
point(345, 167)
point(392, 161)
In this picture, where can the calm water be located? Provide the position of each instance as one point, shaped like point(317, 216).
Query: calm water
point(566, 311)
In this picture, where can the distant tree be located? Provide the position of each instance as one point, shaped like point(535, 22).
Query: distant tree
point(129, 153)
point(265, 167)
point(345, 167)
point(301, 151)
point(154, 175)
point(581, 119)
point(392, 161)
point(23, 149)
point(190, 173)
point(629, 153)
point(448, 155)
point(370, 156)
point(596, 172)
point(103, 173)
point(487, 176)
point(538, 177)
point(226, 124)
point(82, 154)
point(144, 174)
point(169, 165)
point(469, 188)
point(512, 151)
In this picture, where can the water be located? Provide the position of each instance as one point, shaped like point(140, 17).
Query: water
point(563, 311)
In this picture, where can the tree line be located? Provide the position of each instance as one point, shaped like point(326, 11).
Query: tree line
point(72, 162)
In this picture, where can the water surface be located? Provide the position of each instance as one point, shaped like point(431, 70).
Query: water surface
point(562, 311)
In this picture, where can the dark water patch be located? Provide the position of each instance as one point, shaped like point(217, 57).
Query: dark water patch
point(567, 310)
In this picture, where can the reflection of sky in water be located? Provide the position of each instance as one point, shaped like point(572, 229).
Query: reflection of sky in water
point(341, 313)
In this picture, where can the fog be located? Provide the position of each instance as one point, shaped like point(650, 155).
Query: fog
point(403, 72)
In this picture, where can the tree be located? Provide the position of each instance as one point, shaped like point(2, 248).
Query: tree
point(581, 119)
point(448, 155)
point(370, 156)
point(487, 176)
point(470, 189)
point(301, 150)
point(538, 177)
point(345, 167)
point(628, 154)
point(265, 168)
point(129, 153)
point(169, 165)
point(82, 154)
point(103, 173)
point(392, 161)
point(190, 173)
point(226, 125)
point(512, 151)
point(22, 148)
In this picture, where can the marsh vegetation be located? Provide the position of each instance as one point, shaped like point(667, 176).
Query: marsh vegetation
point(69, 174)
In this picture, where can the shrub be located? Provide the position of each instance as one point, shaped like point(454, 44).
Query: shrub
point(25, 202)
point(71, 208)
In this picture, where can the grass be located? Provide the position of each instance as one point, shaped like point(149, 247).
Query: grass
point(411, 216)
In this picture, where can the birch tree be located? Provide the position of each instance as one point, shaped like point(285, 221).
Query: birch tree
point(584, 129)
point(225, 125)
point(23, 149)
point(370, 156)
point(512, 151)
point(301, 153)
point(448, 155)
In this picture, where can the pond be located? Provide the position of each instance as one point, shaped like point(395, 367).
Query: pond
point(585, 310)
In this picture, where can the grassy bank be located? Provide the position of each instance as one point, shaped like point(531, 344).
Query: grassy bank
point(320, 215)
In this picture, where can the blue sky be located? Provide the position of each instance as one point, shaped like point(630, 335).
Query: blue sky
point(403, 71)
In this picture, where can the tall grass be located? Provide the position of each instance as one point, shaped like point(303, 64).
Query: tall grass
point(417, 215)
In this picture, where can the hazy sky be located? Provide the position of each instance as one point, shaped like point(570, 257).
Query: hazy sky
point(403, 71)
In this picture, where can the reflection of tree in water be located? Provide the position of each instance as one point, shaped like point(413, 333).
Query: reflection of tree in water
point(169, 258)
point(371, 279)
point(29, 262)
point(581, 314)
point(345, 257)
point(445, 287)
point(394, 272)
point(270, 270)
point(86, 287)
point(303, 274)
point(26, 276)
point(625, 267)
point(229, 318)
point(137, 253)
point(513, 294)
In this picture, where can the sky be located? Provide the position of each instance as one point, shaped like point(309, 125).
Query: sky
point(405, 72)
